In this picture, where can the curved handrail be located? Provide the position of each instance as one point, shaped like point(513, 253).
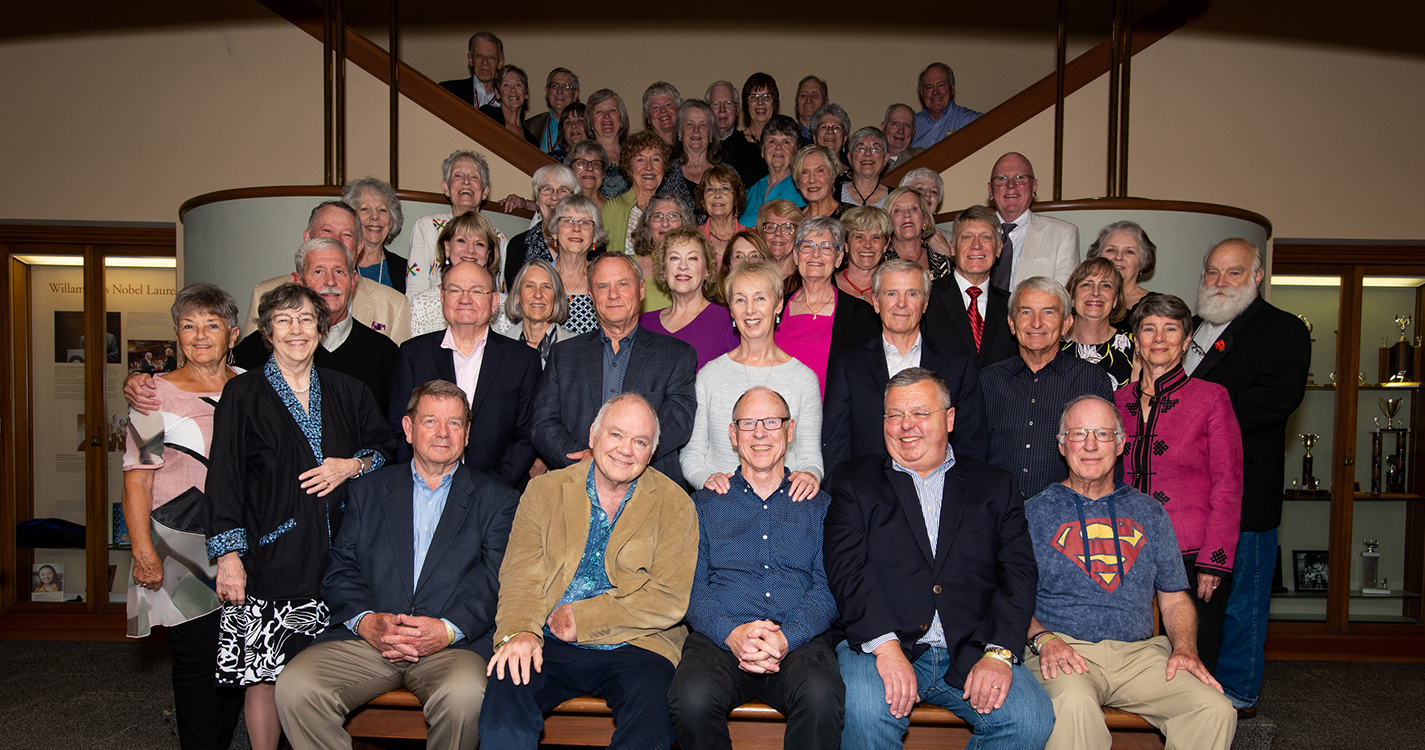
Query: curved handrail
point(323, 191)
point(1138, 204)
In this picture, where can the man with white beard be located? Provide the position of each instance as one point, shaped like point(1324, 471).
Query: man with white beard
point(1261, 355)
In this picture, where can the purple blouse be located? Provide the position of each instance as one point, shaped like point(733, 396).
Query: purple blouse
point(710, 333)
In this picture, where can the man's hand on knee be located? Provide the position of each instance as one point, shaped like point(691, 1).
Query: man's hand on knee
point(518, 653)
point(1190, 662)
point(1057, 657)
point(899, 678)
point(988, 684)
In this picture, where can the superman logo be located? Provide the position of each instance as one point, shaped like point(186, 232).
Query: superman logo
point(1100, 560)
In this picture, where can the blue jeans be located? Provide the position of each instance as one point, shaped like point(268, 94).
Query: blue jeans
point(1244, 631)
point(1024, 722)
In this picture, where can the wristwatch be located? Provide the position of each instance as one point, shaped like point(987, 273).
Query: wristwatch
point(1003, 654)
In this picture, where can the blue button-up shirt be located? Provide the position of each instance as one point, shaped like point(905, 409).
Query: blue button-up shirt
point(760, 559)
point(929, 132)
point(615, 366)
point(591, 578)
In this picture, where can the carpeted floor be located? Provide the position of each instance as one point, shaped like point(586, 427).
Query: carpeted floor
point(62, 695)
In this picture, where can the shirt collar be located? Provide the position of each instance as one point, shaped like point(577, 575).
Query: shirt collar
point(448, 342)
point(941, 469)
point(337, 333)
point(593, 491)
point(420, 481)
point(738, 480)
point(1021, 222)
point(604, 337)
point(964, 283)
point(891, 350)
point(1120, 491)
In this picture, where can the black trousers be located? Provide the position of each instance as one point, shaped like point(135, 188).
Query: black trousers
point(808, 691)
point(1210, 615)
point(207, 714)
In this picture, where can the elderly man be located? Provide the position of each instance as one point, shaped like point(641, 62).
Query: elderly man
point(617, 357)
point(856, 380)
point(660, 110)
point(498, 374)
point(1104, 549)
point(1025, 394)
point(485, 58)
point(811, 95)
point(933, 571)
point(591, 599)
point(899, 127)
point(760, 607)
point(1261, 355)
point(941, 116)
point(965, 310)
point(734, 149)
point(561, 88)
point(412, 588)
point(1033, 245)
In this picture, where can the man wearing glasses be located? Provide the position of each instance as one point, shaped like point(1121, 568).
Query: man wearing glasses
point(1033, 245)
point(735, 150)
point(930, 561)
point(760, 608)
point(561, 88)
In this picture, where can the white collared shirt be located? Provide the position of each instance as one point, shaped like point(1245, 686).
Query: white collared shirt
point(982, 303)
point(467, 369)
point(895, 361)
point(337, 333)
point(1202, 339)
point(483, 97)
point(1016, 236)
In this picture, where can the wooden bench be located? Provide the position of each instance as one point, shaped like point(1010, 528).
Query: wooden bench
point(586, 722)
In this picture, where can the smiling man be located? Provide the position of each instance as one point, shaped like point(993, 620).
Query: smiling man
point(561, 88)
point(941, 116)
point(899, 127)
point(965, 311)
point(1032, 245)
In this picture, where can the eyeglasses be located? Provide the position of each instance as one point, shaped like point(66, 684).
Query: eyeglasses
point(718, 190)
point(831, 127)
point(759, 97)
point(457, 292)
point(664, 218)
point(787, 228)
point(771, 423)
point(562, 87)
point(576, 223)
point(818, 248)
point(915, 416)
point(1017, 179)
point(288, 321)
point(1080, 434)
point(588, 164)
point(864, 150)
point(723, 105)
point(558, 190)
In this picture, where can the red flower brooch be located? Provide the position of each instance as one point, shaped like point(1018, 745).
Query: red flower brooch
point(1219, 346)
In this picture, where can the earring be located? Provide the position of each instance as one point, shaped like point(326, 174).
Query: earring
point(231, 360)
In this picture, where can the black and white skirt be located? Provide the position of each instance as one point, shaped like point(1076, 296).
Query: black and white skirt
point(256, 639)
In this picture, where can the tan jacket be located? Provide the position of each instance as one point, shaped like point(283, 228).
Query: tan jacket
point(378, 307)
point(650, 560)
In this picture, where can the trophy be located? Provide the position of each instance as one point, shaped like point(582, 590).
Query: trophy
point(1308, 485)
point(1389, 468)
point(1371, 582)
point(1397, 361)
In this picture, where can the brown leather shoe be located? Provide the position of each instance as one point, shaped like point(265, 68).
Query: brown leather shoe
point(1246, 713)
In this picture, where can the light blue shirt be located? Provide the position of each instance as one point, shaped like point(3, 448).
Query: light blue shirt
point(929, 132)
point(759, 194)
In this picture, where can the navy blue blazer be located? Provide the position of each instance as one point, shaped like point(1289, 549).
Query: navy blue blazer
point(851, 417)
point(947, 321)
point(502, 410)
point(981, 580)
point(660, 369)
point(373, 556)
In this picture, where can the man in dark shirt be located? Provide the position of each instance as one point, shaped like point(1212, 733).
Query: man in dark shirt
point(1025, 394)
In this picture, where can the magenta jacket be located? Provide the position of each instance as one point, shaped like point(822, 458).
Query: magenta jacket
point(1186, 453)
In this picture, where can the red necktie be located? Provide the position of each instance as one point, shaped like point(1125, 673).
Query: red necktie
point(977, 323)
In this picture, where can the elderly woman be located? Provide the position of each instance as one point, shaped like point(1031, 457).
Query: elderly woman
point(820, 320)
point(574, 229)
point(285, 441)
point(573, 127)
point(379, 210)
point(744, 246)
point(1184, 447)
point(683, 265)
point(868, 231)
point(468, 238)
point(537, 307)
point(721, 198)
point(696, 150)
point(779, 144)
point(165, 464)
point(509, 108)
point(466, 184)
point(868, 160)
point(660, 110)
point(1133, 254)
point(610, 127)
point(931, 187)
point(587, 159)
point(754, 290)
point(665, 213)
point(831, 127)
point(1099, 334)
point(645, 161)
point(551, 184)
point(777, 221)
point(911, 230)
point(815, 168)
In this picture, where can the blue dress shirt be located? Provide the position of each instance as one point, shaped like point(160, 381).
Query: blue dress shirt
point(615, 367)
point(929, 132)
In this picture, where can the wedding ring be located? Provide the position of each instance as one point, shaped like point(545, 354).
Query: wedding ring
point(994, 687)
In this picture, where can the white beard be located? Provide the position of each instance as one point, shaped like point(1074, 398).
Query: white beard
point(1218, 310)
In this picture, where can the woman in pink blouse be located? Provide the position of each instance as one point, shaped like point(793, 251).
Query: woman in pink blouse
point(820, 320)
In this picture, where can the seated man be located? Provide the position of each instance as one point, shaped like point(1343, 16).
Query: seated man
point(758, 631)
point(933, 572)
point(1103, 549)
point(411, 588)
point(591, 599)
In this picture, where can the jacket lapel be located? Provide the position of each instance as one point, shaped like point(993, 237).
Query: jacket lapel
point(875, 358)
point(401, 526)
point(1215, 353)
point(996, 322)
point(904, 490)
point(452, 519)
point(489, 367)
point(444, 362)
point(952, 508)
point(637, 361)
point(959, 316)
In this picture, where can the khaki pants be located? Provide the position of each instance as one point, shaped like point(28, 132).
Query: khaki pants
point(1132, 677)
point(329, 680)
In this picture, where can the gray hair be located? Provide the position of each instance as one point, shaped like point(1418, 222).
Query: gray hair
point(549, 79)
point(559, 307)
point(634, 397)
point(1148, 250)
point(915, 376)
point(707, 95)
point(1117, 415)
point(603, 95)
point(1162, 306)
point(557, 174)
point(200, 297)
point(893, 107)
point(714, 142)
point(870, 131)
point(1046, 285)
point(322, 243)
point(749, 391)
point(940, 65)
point(577, 204)
point(979, 213)
point(290, 296)
point(479, 159)
point(900, 264)
point(352, 193)
point(488, 36)
point(1258, 259)
point(818, 224)
point(643, 231)
point(660, 88)
point(837, 111)
point(629, 259)
point(438, 389)
point(925, 173)
point(589, 147)
point(833, 165)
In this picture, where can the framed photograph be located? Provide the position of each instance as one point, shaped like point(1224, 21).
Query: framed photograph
point(47, 582)
point(1311, 569)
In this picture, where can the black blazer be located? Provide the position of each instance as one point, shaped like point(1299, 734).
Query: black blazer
point(494, 112)
point(660, 368)
point(396, 266)
point(981, 580)
point(502, 409)
point(463, 88)
point(1263, 362)
point(372, 557)
point(851, 417)
point(853, 324)
point(947, 321)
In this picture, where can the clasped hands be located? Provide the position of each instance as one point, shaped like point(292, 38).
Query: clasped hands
point(760, 646)
point(401, 637)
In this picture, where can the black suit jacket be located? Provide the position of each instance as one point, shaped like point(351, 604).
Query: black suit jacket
point(396, 266)
point(463, 88)
point(373, 556)
point(853, 324)
point(1263, 362)
point(851, 417)
point(660, 368)
point(947, 321)
point(981, 580)
point(365, 355)
point(534, 127)
point(502, 407)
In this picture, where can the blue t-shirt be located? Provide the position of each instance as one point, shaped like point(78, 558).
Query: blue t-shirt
point(1106, 595)
point(784, 190)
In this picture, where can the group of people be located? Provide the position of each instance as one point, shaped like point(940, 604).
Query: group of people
point(845, 462)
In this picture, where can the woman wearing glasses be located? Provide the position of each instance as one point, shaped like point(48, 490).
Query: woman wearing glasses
point(777, 222)
point(722, 199)
point(587, 159)
point(665, 213)
point(1183, 446)
point(468, 238)
point(552, 183)
point(818, 319)
point(754, 293)
point(574, 229)
point(868, 160)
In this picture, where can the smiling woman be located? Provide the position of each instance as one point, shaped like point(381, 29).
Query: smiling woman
point(1100, 333)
